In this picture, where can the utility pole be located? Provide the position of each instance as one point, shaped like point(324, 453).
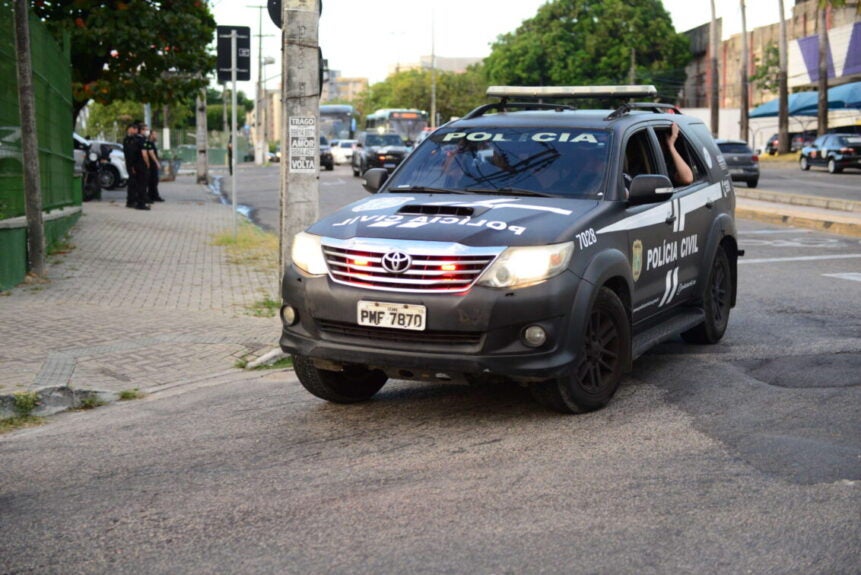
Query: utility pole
point(29, 140)
point(782, 89)
point(300, 143)
point(713, 67)
point(822, 107)
point(259, 100)
point(433, 69)
point(202, 144)
point(745, 104)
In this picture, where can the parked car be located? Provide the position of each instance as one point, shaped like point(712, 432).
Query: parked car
point(378, 151)
point(797, 140)
point(342, 151)
point(832, 151)
point(326, 160)
point(742, 162)
point(507, 247)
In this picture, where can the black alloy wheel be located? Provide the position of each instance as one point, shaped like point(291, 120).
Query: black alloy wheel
point(717, 302)
point(602, 361)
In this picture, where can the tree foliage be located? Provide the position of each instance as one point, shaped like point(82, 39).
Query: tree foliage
point(456, 93)
point(140, 50)
point(766, 75)
point(588, 42)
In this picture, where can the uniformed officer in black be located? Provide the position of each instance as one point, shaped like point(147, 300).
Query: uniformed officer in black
point(151, 149)
point(133, 151)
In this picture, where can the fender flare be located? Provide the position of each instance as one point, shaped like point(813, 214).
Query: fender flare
point(722, 227)
point(608, 267)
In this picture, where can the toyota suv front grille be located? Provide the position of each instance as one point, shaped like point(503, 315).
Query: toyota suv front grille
point(407, 266)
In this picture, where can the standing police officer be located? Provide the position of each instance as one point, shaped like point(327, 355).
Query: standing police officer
point(135, 197)
point(151, 148)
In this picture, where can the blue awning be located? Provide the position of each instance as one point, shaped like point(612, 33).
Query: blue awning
point(807, 103)
point(798, 105)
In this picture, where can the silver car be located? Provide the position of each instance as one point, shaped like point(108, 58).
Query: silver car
point(742, 162)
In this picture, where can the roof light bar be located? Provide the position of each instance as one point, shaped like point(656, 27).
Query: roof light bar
point(572, 91)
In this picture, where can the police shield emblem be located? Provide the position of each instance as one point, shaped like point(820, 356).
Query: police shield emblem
point(637, 259)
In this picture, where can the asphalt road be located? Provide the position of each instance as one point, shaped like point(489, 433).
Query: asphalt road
point(790, 179)
point(743, 457)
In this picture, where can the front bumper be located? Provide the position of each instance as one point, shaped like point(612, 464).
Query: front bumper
point(478, 332)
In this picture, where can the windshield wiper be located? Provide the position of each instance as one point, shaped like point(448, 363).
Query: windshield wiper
point(508, 191)
point(426, 190)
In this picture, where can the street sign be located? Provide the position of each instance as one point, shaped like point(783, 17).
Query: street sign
point(243, 53)
point(274, 8)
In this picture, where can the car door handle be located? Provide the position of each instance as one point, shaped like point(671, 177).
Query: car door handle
point(671, 220)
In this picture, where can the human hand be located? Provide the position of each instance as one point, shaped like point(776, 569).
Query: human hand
point(673, 134)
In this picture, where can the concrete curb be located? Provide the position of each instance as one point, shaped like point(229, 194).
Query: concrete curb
point(799, 200)
point(267, 359)
point(846, 223)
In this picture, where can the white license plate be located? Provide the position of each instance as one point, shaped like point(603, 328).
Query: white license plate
point(393, 315)
point(389, 165)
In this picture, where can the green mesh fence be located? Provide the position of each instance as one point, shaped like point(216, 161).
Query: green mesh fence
point(11, 180)
point(52, 82)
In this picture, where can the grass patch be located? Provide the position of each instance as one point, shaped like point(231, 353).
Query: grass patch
point(267, 307)
point(90, 402)
point(12, 423)
point(241, 363)
point(63, 246)
point(25, 402)
point(283, 363)
point(251, 246)
point(130, 394)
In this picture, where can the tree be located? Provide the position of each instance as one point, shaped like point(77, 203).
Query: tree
point(151, 51)
point(583, 42)
point(766, 72)
point(456, 93)
point(110, 120)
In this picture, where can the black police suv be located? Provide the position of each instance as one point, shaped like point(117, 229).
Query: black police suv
point(378, 151)
point(529, 242)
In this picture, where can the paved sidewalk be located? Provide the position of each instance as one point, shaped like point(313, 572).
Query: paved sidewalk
point(144, 301)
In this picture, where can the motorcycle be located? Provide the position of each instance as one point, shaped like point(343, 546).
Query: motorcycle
point(92, 189)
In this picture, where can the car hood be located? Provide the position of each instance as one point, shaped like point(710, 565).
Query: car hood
point(473, 220)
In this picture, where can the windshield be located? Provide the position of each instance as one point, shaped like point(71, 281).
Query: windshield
point(561, 161)
point(383, 140)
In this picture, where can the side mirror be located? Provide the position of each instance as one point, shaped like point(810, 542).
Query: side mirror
point(650, 188)
point(374, 179)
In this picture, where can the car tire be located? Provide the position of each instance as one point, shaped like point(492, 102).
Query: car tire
point(833, 168)
point(752, 183)
point(109, 178)
point(804, 164)
point(601, 362)
point(352, 385)
point(717, 299)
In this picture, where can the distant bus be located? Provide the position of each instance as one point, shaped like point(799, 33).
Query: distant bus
point(409, 124)
point(337, 121)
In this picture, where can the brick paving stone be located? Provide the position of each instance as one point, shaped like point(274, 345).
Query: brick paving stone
point(144, 299)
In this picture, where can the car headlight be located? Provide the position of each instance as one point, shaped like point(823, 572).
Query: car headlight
point(523, 266)
point(307, 254)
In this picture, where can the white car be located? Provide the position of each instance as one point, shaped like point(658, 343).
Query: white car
point(342, 151)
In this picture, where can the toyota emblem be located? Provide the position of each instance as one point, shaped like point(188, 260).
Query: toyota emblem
point(396, 262)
